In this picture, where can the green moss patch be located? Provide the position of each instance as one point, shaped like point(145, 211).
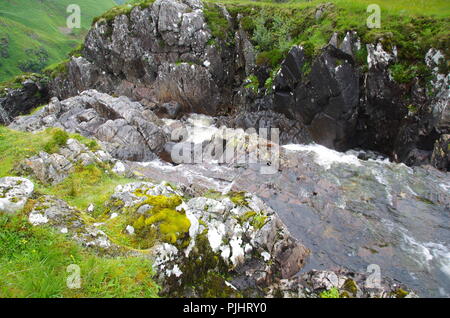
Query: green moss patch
point(332, 293)
point(59, 69)
point(219, 25)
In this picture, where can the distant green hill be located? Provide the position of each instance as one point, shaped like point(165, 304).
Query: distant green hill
point(33, 33)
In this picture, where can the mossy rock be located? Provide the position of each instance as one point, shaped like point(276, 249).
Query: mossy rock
point(401, 293)
point(351, 287)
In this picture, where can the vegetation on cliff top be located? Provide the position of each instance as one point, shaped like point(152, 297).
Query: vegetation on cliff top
point(17, 82)
point(275, 27)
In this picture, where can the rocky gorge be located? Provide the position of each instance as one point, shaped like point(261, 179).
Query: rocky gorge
point(359, 185)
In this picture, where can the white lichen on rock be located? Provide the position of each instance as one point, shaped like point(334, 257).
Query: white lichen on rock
point(14, 193)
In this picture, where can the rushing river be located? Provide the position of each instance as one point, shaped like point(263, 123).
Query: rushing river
point(350, 212)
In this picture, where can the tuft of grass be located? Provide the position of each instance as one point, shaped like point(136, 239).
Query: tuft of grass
point(16, 146)
point(219, 25)
point(59, 139)
point(57, 69)
point(124, 9)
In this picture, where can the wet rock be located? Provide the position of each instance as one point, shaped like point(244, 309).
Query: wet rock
point(326, 101)
point(14, 193)
point(127, 130)
point(337, 284)
point(345, 104)
point(441, 153)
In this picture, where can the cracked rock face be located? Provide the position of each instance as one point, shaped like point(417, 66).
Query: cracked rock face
point(126, 129)
point(14, 193)
point(161, 51)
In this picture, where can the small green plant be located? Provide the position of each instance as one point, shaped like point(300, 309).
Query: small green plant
point(58, 140)
point(252, 83)
point(361, 56)
point(238, 198)
point(405, 73)
point(332, 293)
point(270, 80)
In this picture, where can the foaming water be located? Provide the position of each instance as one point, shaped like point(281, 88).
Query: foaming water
point(325, 156)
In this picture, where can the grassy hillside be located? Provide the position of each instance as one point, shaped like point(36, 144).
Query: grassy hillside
point(33, 33)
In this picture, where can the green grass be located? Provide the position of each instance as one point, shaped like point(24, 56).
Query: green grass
point(35, 32)
point(34, 260)
point(91, 184)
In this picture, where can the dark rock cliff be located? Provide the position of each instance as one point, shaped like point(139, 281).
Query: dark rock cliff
point(33, 91)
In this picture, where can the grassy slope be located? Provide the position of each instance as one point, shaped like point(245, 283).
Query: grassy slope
point(33, 261)
point(33, 264)
point(32, 24)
